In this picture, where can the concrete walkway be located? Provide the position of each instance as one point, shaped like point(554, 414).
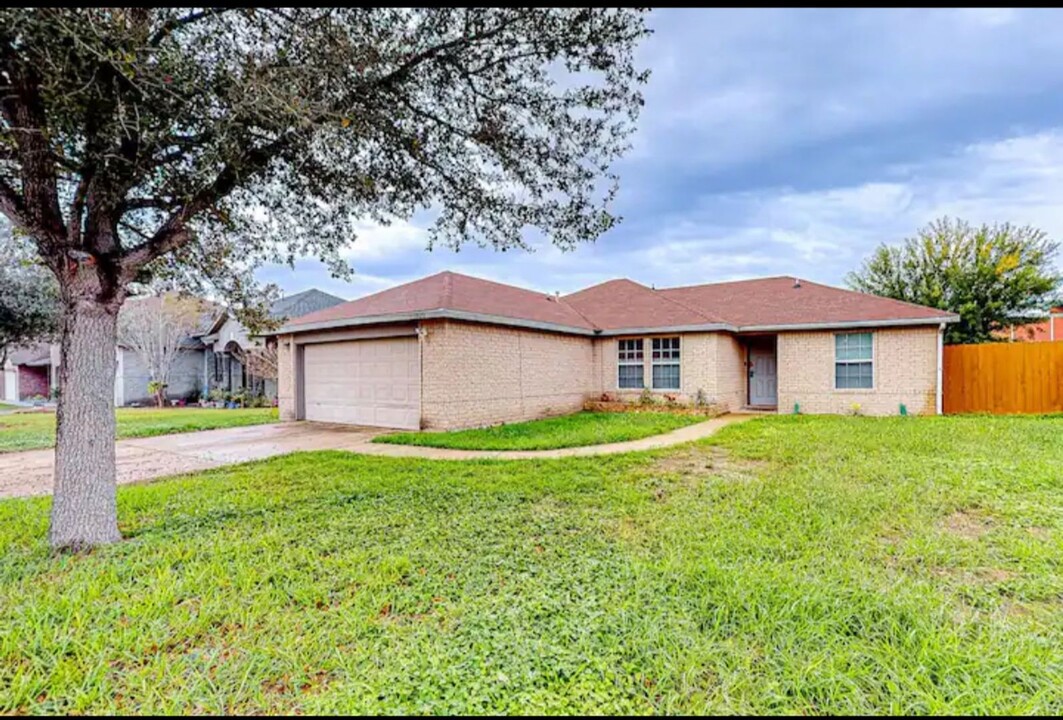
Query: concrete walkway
point(676, 437)
point(139, 459)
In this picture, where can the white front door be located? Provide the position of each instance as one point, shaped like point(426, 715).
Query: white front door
point(763, 384)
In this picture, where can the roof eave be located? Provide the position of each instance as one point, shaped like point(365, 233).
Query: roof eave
point(435, 314)
point(846, 324)
point(652, 330)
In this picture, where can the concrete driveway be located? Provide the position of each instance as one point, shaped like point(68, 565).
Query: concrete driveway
point(30, 473)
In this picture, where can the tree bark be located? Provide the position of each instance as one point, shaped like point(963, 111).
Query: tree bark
point(84, 509)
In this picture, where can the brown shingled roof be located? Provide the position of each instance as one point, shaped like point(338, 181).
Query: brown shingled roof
point(778, 301)
point(454, 292)
point(619, 305)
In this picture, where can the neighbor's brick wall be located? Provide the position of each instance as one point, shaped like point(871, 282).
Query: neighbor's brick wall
point(473, 374)
point(905, 372)
point(32, 381)
point(286, 377)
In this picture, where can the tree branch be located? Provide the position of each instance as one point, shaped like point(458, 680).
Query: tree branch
point(170, 26)
point(174, 233)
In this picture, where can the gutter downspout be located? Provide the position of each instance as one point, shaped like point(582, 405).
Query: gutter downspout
point(939, 402)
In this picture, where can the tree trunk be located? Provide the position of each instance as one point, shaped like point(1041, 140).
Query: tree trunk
point(84, 510)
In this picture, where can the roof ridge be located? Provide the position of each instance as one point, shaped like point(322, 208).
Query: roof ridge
point(606, 282)
point(448, 289)
point(683, 305)
point(735, 282)
point(561, 301)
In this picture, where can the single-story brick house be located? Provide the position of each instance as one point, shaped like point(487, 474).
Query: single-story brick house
point(451, 351)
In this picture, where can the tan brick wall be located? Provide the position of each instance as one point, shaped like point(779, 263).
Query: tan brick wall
point(905, 371)
point(286, 377)
point(707, 361)
point(475, 374)
point(730, 372)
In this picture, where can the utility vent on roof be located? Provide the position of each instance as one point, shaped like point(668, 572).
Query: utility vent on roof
point(797, 282)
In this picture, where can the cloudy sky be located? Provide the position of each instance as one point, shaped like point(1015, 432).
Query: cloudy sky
point(793, 142)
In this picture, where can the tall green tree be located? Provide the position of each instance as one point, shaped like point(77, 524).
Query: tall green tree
point(193, 144)
point(29, 299)
point(991, 275)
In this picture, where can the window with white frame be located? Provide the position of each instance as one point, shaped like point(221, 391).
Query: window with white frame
point(853, 361)
point(629, 364)
point(666, 363)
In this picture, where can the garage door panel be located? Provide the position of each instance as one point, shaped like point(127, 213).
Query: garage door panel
point(363, 382)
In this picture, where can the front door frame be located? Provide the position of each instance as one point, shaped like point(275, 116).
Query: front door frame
point(761, 343)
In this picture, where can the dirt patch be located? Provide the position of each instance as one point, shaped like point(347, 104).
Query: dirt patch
point(968, 524)
point(1040, 533)
point(980, 576)
point(699, 462)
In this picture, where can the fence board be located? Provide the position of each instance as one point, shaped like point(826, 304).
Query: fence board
point(1003, 378)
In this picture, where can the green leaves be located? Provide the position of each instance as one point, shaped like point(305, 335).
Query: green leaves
point(993, 276)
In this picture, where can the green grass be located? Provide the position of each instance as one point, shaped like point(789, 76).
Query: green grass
point(29, 431)
point(584, 428)
point(787, 565)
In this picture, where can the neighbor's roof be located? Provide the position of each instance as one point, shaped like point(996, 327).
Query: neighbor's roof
point(623, 306)
point(303, 303)
point(36, 354)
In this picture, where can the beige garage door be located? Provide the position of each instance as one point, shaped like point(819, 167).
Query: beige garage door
point(364, 382)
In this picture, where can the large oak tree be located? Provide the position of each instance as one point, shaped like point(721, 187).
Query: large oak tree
point(193, 144)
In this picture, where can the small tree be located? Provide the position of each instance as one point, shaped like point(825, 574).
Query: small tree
point(261, 362)
point(992, 276)
point(157, 330)
point(194, 143)
point(29, 301)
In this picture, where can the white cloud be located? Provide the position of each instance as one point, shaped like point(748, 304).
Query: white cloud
point(375, 242)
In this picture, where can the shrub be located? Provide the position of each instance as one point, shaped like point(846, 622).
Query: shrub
point(646, 397)
point(854, 409)
point(700, 399)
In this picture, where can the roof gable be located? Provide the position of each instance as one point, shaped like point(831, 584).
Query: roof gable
point(625, 304)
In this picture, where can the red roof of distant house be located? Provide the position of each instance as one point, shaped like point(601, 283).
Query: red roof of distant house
point(1044, 331)
point(619, 305)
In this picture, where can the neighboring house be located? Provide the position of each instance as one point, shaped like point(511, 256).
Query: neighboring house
point(451, 351)
point(211, 357)
point(31, 372)
point(1050, 330)
point(226, 343)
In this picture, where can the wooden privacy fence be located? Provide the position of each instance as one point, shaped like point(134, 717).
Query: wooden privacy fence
point(1003, 378)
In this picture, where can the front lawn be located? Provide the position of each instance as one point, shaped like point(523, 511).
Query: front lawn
point(584, 428)
point(29, 431)
point(789, 564)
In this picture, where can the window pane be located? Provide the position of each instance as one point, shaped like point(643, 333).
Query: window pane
point(666, 349)
point(852, 346)
point(630, 376)
point(853, 375)
point(666, 377)
point(630, 350)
